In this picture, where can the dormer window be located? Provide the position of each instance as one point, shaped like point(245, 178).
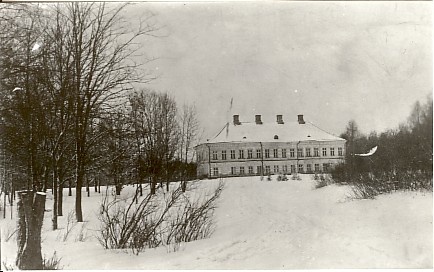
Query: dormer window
point(276, 137)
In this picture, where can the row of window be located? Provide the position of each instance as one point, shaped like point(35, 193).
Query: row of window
point(283, 154)
point(276, 169)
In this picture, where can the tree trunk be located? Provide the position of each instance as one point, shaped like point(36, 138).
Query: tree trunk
point(60, 199)
point(183, 186)
point(78, 186)
point(96, 184)
point(54, 216)
point(70, 188)
point(79, 178)
point(78, 212)
point(153, 185)
point(4, 201)
point(21, 227)
point(118, 188)
point(87, 187)
point(44, 187)
point(30, 218)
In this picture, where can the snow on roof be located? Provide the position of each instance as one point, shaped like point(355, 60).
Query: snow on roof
point(273, 132)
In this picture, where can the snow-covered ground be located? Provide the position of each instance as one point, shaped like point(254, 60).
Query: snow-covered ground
point(265, 225)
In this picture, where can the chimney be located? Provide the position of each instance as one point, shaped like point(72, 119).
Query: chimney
point(237, 120)
point(258, 119)
point(300, 119)
point(279, 119)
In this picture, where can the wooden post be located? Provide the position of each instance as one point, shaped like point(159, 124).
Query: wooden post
point(30, 207)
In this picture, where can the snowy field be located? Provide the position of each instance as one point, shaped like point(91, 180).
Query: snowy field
point(263, 225)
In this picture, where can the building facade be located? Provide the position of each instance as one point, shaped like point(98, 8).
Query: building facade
point(257, 148)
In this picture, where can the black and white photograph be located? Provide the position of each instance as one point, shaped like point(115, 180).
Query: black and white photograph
point(216, 135)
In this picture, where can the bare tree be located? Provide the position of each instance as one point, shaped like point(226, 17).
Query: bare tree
point(188, 134)
point(153, 117)
point(101, 47)
point(22, 97)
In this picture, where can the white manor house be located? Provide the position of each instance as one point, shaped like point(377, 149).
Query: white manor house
point(257, 148)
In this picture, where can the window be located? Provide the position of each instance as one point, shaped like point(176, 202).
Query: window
point(299, 152)
point(232, 154)
point(249, 154)
point(267, 153)
point(316, 152)
point(233, 170)
point(325, 167)
point(215, 171)
point(241, 170)
point(292, 152)
point(317, 167)
point(283, 153)
point(332, 151)
point(214, 155)
point(241, 154)
point(285, 169)
point(259, 169)
point(292, 168)
point(300, 168)
point(275, 155)
point(309, 168)
point(340, 152)
point(267, 169)
point(276, 169)
point(224, 155)
point(324, 151)
point(308, 152)
point(258, 153)
point(250, 169)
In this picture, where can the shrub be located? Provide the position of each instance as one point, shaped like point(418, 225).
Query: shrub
point(282, 177)
point(126, 225)
point(9, 232)
point(82, 235)
point(368, 185)
point(70, 225)
point(164, 217)
point(193, 220)
point(52, 263)
point(296, 176)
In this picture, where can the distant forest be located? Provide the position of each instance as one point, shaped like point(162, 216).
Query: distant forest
point(403, 159)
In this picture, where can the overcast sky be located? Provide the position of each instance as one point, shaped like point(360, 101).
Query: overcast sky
point(331, 61)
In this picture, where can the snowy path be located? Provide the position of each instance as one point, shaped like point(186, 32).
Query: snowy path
point(282, 225)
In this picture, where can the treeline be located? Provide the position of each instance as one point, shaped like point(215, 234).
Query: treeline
point(403, 159)
point(70, 116)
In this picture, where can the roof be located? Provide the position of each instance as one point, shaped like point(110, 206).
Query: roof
point(266, 132)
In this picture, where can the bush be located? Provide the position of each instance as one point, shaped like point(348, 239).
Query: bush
point(282, 177)
point(52, 263)
point(9, 233)
point(161, 218)
point(321, 181)
point(193, 220)
point(296, 176)
point(70, 225)
point(126, 225)
point(367, 185)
